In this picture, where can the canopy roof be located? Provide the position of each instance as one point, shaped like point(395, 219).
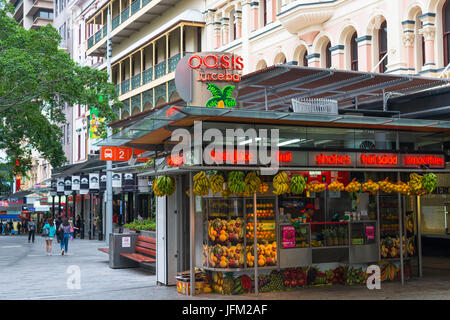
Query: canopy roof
point(281, 83)
point(151, 131)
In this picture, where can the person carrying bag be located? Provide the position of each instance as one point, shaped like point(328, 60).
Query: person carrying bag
point(49, 232)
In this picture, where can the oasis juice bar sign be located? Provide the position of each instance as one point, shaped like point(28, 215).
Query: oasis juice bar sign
point(209, 79)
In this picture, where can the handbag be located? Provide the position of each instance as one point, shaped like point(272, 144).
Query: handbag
point(45, 232)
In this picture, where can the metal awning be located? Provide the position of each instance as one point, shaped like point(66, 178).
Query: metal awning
point(153, 130)
point(276, 85)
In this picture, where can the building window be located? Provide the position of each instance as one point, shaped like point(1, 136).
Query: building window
point(63, 137)
point(43, 13)
point(68, 133)
point(79, 147)
point(382, 47)
point(328, 55)
point(354, 53)
point(446, 20)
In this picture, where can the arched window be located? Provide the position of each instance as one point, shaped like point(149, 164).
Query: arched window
point(382, 47)
point(328, 55)
point(446, 20)
point(305, 59)
point(354, 52)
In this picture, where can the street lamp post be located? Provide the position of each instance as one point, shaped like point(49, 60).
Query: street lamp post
point(109, 193)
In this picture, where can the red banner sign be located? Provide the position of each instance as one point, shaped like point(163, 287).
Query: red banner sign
point(120, 154)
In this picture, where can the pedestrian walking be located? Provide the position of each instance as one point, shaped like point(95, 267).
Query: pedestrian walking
point(64, 229)
point(31, 230)
point(10, 227)
point(58, 224)
point(49, 235)
point(1, 227)
point(95, 226)
point(77, 225)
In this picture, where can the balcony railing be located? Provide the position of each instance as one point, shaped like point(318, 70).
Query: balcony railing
point(135, 6)
point(173, 61)
point(160, 69)
point(115, 22)
point(98, 36)
point(90, 42)
point(118, 89)
point(124, 15)
point(119, 19)
point(105, 30)
point(17, 5)
point(147, 75)
point(125, 86)
point(136, 81)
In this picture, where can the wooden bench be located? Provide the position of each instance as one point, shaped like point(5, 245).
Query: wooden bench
point(105, 250)
point(145, 250)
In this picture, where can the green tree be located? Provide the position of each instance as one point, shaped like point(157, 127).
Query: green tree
point(37, 80)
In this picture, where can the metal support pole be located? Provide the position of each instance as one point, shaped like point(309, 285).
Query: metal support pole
point(400, 225)
point(83, 220)
point(255, 242)
point(59, 205)
point(419, 237)
point(53, 207)
point(74, 196)
point(109, 192)
point(100, 224)
point(265, 98)
point(192, 231)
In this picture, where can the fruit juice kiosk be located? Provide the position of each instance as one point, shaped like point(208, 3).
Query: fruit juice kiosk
point(358, 220)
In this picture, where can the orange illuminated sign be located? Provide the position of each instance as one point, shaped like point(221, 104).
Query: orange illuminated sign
point(120, 154)
point(334, 159)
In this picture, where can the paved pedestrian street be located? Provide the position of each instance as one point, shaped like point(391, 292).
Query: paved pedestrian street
point(27, 273)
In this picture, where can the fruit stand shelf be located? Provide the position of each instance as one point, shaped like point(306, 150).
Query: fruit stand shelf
point(395, 259)
point(239, 269)
point(331, 247)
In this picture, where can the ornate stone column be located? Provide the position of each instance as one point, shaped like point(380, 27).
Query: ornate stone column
point(254, 15)
point(429, 33)
point(313, 60)
point(337, 57)
point(408, 41)
point(217, 32)
point(246, 9)
point(225, 30)
point(238, 21)
point(364, 53)
point(209, 19)
point(408, 44)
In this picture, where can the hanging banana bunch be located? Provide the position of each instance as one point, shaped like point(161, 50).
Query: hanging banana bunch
point(252, 183)
point(163, 186)
point(281, 183)
point(201, 184)
point(216, 182)
point(236, 182)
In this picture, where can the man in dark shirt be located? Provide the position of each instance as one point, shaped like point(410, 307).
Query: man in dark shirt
point(58, 222)
point(31, 230)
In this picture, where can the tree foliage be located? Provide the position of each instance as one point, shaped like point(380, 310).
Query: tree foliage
point(37, 81)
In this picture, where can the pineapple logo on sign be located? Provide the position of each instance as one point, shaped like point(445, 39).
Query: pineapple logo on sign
point(221, 97)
